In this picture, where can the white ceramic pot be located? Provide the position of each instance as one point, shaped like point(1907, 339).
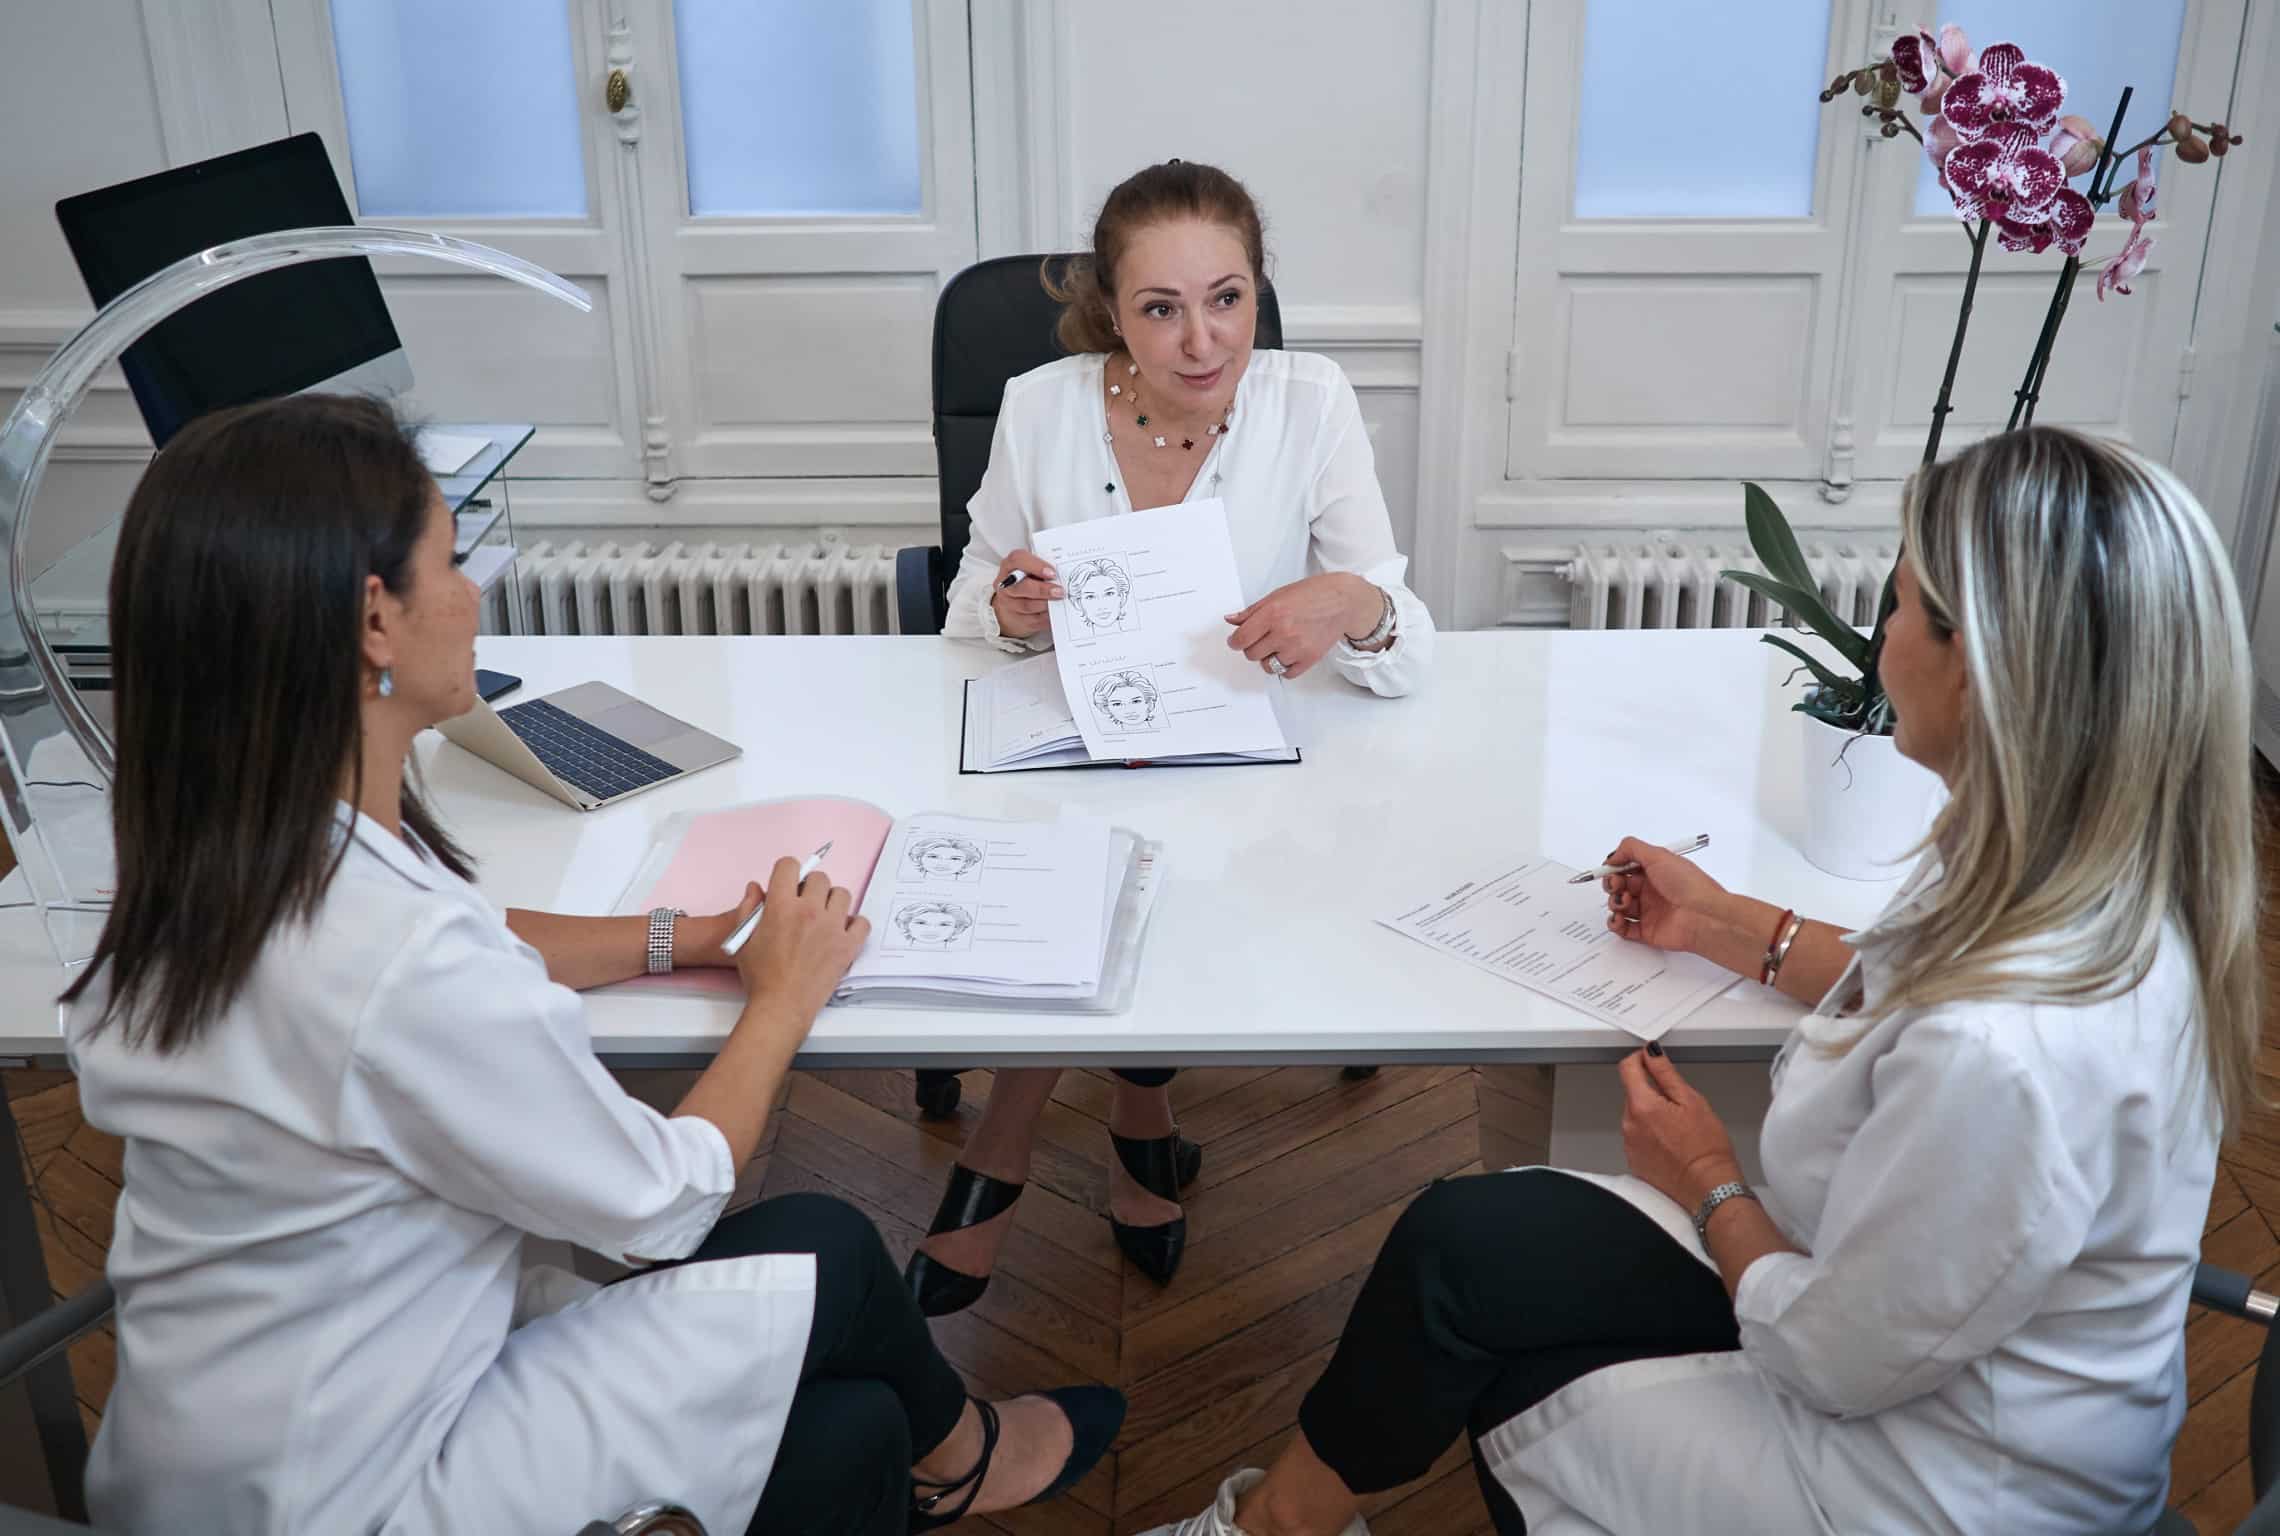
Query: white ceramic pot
point(1865, 805)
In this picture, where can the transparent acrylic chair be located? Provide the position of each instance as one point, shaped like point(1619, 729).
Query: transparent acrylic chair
point(55, 755)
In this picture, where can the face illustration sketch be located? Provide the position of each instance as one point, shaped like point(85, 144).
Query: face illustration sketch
point(944, 858)
point(1100, 590)
point(932, 924)
point(1125, 699)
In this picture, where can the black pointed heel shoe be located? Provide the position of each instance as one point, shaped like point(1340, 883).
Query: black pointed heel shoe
point(1095, 1414)
point(1155, 1164)
point(969, 1200)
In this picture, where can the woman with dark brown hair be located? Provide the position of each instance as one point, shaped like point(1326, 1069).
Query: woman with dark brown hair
point(1165, 401)
point(350, 1088)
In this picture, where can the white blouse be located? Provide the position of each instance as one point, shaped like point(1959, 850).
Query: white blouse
point(2000, 1205)
point(1297, 475)
point(325, 1323)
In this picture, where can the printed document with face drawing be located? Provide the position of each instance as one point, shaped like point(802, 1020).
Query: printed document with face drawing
point(1141, 637)
point(959, 899)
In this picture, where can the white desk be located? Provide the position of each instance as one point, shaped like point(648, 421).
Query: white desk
point(1263, 947)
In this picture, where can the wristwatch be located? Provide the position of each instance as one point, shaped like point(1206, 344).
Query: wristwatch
point(661, 939)
point(1710, 1202)
point(1384, 628)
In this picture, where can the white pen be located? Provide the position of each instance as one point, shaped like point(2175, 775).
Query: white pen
point(1691, 845)
point(1015, 580)
point(744, 930)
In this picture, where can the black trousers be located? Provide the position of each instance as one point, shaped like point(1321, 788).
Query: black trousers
point(1146, 1077)
point(875, 1394)
point(1490, 1294)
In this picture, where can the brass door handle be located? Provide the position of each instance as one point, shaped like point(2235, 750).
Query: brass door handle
point(617, 90)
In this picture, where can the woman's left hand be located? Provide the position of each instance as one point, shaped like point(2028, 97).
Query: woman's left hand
point(1672, 1138)
point(697, 940)
point(1299, 623)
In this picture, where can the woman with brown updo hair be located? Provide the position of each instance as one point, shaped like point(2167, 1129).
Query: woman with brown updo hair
point(1164, 401)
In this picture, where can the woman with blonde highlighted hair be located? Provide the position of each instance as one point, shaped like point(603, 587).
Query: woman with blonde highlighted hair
point(1957, 1302)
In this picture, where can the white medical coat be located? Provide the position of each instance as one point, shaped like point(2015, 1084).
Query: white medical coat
point(1296, 473)
point(324, 1318)
point(2000, 1206)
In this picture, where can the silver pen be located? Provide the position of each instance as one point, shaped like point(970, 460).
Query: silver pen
point(745, 929)
point(1692, 845)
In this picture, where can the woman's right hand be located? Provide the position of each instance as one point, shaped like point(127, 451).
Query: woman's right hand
point(1668, 904)
point(1021, 608)
point(808, 936)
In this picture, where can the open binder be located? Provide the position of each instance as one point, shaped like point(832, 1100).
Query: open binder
point(965, 912)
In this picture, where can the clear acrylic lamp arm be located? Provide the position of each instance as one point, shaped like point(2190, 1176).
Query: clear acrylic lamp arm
point(55, 758)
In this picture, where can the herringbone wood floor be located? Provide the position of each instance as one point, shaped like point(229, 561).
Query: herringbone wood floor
point(1303, 1175)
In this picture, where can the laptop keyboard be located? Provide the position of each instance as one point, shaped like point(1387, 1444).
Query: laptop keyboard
point(577, 753)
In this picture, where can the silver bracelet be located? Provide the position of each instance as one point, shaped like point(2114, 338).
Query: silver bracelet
point(661, 939)
point(1384, 628)
point(1717, 1197)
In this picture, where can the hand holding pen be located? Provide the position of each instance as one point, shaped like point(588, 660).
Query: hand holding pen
point(745, 929)
point(1656, 895)
point(1023, 586)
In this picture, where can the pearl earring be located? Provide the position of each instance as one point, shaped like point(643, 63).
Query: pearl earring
point(387, 681)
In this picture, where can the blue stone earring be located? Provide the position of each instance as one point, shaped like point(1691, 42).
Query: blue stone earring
point(387, 681)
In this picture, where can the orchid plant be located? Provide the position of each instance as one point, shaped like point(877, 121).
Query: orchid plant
point(2006, 156)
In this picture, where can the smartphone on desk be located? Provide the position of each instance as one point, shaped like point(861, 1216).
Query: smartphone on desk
point(491, 685)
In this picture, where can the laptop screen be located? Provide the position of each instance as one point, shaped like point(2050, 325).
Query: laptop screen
point(265, 336)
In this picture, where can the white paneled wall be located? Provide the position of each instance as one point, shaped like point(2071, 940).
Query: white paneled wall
point(1534, 376)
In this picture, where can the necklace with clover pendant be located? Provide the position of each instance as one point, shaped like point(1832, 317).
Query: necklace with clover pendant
point(1128, 390)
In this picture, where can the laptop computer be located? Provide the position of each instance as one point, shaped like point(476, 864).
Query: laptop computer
point(587, 746)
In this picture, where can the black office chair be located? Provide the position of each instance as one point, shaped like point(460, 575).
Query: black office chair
point(41, 1340)
point(993, 322)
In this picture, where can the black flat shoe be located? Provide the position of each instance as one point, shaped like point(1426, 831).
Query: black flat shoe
point(1095, 1414)
point(1154, 1162)
point(969, 1200)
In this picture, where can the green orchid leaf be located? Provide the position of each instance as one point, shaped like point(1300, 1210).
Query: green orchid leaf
point(1806, 606)
point(1847, 690)
point(1776, 547)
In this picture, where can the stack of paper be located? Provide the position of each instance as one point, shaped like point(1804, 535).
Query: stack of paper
point(990, 908)
point(959, 907)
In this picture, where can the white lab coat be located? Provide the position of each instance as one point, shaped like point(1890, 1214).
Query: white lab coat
point(2000, 1205)
point(1296, 472)
point(324, 1319)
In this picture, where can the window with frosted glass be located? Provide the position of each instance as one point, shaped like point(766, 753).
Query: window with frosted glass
point(799, 107)
point(1700, 114)
point(459, 110)
point(2097, 47)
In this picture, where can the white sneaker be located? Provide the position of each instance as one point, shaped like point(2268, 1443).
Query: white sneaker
point(1219, 1520)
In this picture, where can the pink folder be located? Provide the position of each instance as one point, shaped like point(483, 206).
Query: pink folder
point(721, 850)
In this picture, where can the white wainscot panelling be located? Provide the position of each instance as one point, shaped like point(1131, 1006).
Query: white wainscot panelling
point(482, 350)
point(782, 391)
point(1657, 355)
point(2089, 384)
point(1391, 416)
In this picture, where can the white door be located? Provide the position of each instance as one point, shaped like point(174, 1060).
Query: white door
point(762, 197)
point(808, 186)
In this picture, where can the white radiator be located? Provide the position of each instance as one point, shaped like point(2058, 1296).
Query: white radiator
point(608, 588)
point(1676, 586)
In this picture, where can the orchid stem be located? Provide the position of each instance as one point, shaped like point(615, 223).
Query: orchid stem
point(2029, 393)
point(1940, 407)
